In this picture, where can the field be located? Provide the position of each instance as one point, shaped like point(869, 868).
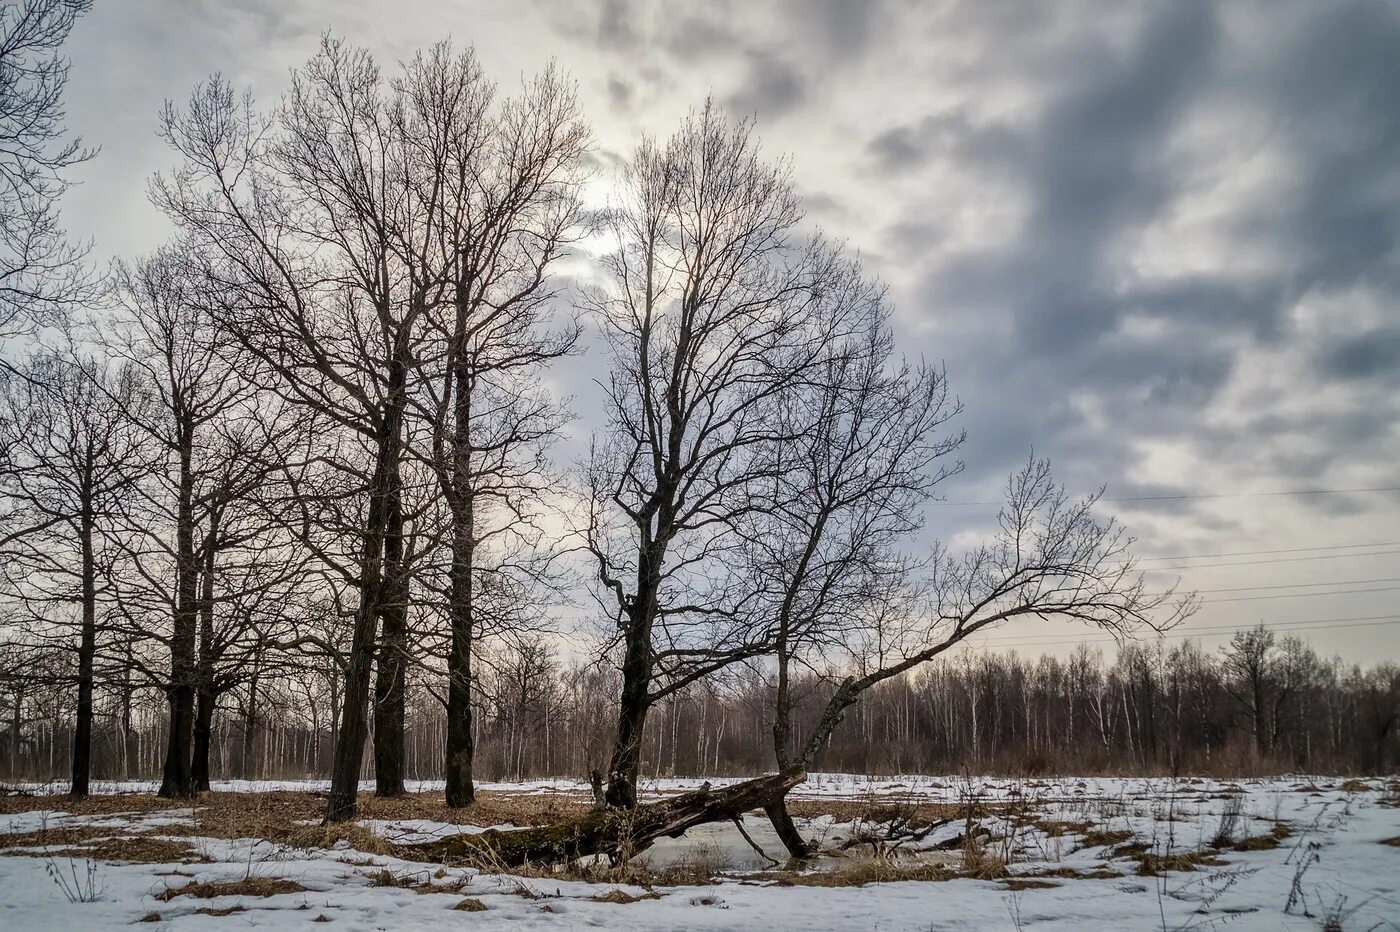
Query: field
point(921, 853)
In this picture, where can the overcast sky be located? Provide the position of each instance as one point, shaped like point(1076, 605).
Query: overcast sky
point(1156, 242)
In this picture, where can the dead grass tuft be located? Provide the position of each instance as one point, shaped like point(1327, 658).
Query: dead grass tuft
point(328, 836)
point(137, 850)
point(622, 897)
point(249, 886)
point(1151, 864)
point(1267, 842)
point(1060, 829)
point(1074, 873)
point(1022, 883)
point(857, 872)
point(1104, 838)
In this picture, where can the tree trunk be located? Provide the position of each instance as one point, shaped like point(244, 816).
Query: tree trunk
point(393, 643)
point(618, 834)
point(203, 732)
point(354, 721)
point(636, 677)
point(460, 747)
point(176, 779)
point(87, 651)
point(205, 698)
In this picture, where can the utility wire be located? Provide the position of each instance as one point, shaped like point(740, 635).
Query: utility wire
point(1365, 621)
point(1324, 556)
point(1210, 495)
point(1253, 553)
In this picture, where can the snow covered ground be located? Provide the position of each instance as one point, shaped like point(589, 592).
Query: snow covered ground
point(1079, 854)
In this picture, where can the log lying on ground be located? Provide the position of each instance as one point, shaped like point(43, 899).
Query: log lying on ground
point(613, 832)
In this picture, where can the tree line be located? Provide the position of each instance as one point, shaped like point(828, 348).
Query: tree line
point(309, 447)
point(1258, 705)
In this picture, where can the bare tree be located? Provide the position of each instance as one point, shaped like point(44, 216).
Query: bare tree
point(710, 321)
point(1051, 557)
point(176, 350)
point(41, 272)
point(510, 174)
point(70, 459)
point(845, 492)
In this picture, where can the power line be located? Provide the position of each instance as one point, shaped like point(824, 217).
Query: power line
point(1306, 585)
point(1324, 556)
point(1252, 553)
point(1325, 624)
point(1299, 595)
point(1210, 495)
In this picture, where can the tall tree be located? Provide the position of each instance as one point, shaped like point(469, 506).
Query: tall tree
point(70, 459)
point(510, 172)
point(42, 274)
point(710, 321)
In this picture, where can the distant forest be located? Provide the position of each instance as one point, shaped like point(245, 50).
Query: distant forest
point(1257, 706)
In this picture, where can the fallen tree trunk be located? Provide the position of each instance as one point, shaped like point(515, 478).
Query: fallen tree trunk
point(618, 833)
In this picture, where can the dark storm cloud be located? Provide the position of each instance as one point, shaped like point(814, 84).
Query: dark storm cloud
point(1096, 166)
point(1367, 356)
point(771, 89)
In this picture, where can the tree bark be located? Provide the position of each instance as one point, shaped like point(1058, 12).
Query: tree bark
point(176, 779)
point(354, 723)
point(389, 688)
point(205, 701)
point(87, 651)
point(613, 832)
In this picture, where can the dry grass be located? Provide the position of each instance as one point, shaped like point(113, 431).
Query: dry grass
point(857, 872)
point(1151, 864)
point(1268, 842)
point(1356, 786)
point(1074, 873)
point(1060, 829)
point(622, 897)
point(46, 837)
point(917, 813)
point(106, 804)
point(1104, 838)
point(249, 886)
point(136, 850)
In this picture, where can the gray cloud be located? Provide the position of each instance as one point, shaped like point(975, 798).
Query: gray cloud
point(1158, 241)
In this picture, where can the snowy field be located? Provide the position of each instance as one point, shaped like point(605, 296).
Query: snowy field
point(917, 852)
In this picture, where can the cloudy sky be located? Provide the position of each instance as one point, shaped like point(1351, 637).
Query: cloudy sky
point(1156, 241)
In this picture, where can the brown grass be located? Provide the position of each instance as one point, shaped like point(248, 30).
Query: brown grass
point(1020, 883)
point(136, 850)
point(1268, 842)
point(1154, 865)
point(1074, 873)
point(47, 837)
point(1356, 786)
point(622, 897)
point(1104, 838)
point(249, 886)
point(857, 872)
point(1060, 829)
